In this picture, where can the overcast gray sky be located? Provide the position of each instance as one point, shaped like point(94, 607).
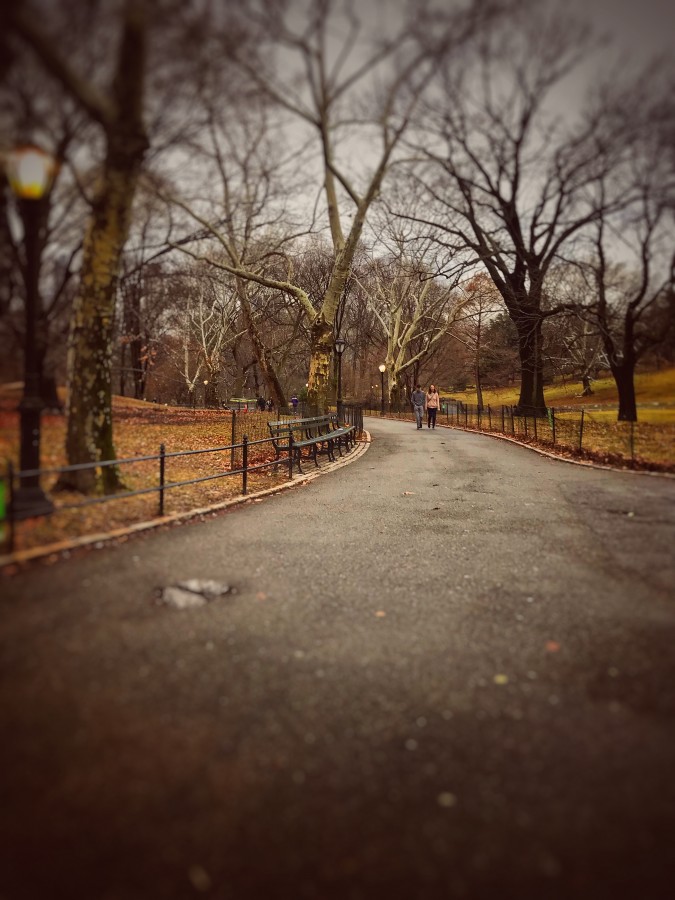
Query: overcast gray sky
point(638, 26)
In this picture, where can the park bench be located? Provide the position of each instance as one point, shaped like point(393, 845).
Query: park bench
point(317, 434)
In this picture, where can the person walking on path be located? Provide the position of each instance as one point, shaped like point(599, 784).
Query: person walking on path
point(418, 398)
point(433, 405)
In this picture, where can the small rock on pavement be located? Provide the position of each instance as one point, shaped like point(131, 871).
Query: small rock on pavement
point(192, 593)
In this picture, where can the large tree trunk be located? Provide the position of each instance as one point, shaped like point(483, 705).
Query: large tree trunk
point(319, 365)
point(89, 436)
point(120, 113)
point(624, 376)
point(531, 401)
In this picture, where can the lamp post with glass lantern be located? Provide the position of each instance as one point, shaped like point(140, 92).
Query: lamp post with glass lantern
point(340, 345)
point(30, 172)
point(382, 369)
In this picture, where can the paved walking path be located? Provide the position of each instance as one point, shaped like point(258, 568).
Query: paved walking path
point(447, 671)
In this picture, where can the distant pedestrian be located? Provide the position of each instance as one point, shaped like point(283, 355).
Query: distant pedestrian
point(270, 405)
point(433, 405)
point(294, 402)
point(418, 399)
point(261, 403)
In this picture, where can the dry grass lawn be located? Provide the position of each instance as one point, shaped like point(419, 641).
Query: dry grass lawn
point(655, 396)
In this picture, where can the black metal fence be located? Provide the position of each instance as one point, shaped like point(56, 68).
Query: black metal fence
point(352, 414)
point(250, 451)
point(578, 431)
point(238, 460)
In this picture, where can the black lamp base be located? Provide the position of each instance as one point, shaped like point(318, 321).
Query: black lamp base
point(30, 501)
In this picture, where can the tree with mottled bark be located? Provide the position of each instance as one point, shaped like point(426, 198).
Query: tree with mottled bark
point(354, 102)
point(413, 312)
point(119, 111)
point(204, 324)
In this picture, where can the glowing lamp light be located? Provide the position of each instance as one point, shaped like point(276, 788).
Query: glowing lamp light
point(382, 368)
point(30, 172)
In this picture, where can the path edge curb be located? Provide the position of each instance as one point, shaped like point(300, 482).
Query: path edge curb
point(575, 462)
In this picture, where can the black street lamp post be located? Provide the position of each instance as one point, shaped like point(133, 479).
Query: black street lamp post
point(30, 173)
point(340, 345)
point(382, 369)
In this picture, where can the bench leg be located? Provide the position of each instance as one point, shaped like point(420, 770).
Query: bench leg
point(316, 462)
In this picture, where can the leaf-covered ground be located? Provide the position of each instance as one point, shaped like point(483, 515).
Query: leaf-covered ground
point(139, 429)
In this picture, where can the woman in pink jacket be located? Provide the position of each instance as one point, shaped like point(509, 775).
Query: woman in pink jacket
point(433, 405)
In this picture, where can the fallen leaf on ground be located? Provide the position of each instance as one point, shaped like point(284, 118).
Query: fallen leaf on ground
point(380, 614)
point(408, 493)
point(501, 679)
point(552, 646)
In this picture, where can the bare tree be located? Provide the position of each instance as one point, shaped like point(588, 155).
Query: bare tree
point(413, 311)
point(118, 110)
point(325, 92)
point(35, 110)
point(104, 55)
point(631, 263)
point(507, 175)
point(481, 302)
point(626, 295)
point(204, 324)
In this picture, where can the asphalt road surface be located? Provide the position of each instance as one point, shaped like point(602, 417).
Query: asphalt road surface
point(447, 672)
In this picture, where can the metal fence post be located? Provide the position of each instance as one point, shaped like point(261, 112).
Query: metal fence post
point(553, 424)
point(632, 441)
point(513, 424)
point(503, 428)
point(5, 509)
point(581, 429)
point(233, 458)
point(162, 461)
point(244, 464)
point(534, 417)
point(10, 508)
point(3, 512)
point(489, 418)
point(290, 455)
